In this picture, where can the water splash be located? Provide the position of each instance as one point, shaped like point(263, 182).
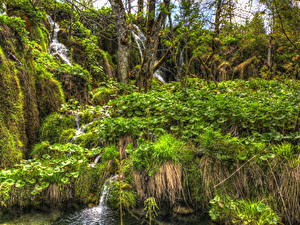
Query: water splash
point(99, 215)
point(57, 48)
point(96, 161)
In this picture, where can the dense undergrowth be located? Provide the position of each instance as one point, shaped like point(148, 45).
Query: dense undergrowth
point(230, 151)
point(177, 144)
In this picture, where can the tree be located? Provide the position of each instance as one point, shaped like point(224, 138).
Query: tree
point(123, 39)
point(153, 28)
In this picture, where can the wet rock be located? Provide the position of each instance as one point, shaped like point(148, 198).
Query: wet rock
point(182, 210)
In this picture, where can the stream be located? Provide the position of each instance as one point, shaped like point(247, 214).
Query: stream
point(99, 215)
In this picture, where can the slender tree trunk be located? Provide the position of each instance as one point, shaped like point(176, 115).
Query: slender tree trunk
point(71, 21)
point(270, 55)
point(123, 40)
point(140, 13)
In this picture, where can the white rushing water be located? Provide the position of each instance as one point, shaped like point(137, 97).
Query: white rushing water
point(79, 129)
point(4, 10)
point(99, 215)
point(96, 161)
point(140, 41)
point(57, 48)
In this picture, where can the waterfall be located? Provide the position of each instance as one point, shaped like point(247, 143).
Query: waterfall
point(96, 161)
point(140, 40)
point(99, 215)
point(57, 48)
point(105, 191)
point(4, 10)
point(78, 128)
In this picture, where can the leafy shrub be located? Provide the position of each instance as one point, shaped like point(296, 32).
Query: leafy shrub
point(40, 149)
point(61, 164)
point(110, 153)
point(127, 198)
point(149, 156)
point(242, 211)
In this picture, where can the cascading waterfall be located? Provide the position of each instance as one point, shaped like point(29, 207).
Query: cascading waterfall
point(140, 40)
point(105, 192)
point(99, 215)
point(57, 48)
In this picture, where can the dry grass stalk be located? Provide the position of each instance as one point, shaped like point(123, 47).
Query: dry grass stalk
point(255, 181)
point(166, 184)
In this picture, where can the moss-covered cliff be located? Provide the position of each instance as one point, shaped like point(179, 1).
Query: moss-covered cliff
point(25, 97)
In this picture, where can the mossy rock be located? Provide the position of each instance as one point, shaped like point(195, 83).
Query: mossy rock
point(87, 186)
point(88, 140)
point(11, 147)
point(103, 95)
point(12, 124)
point(54, 125)
point(67, 136)
point(50, 94)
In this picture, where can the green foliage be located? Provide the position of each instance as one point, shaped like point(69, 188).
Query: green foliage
point(127, 197)
point(59, 165)
point(242, 211)
point(24, 7)
point(54, 125)
point(233, 106)
point(110, 153)
point(284, 150)
point(17, 24)
point(149, 156)
point(103, 95)
point(40, 149)
point(150, 208)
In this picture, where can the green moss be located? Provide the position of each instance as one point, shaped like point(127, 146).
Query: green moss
point(12, 131)
point(103, 95)
point(88, 140)
point(86, 188)
point(40, 149)
point(40, 35)
point(10, 147)
point(26, 75)
point(54, 125)
point(67, 136)
point(50, 94)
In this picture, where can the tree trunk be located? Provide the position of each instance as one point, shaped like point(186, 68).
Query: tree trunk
point(123, 40)
point(152, 39)
point(140, 13)
point(71, 21)
point(270, 56)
